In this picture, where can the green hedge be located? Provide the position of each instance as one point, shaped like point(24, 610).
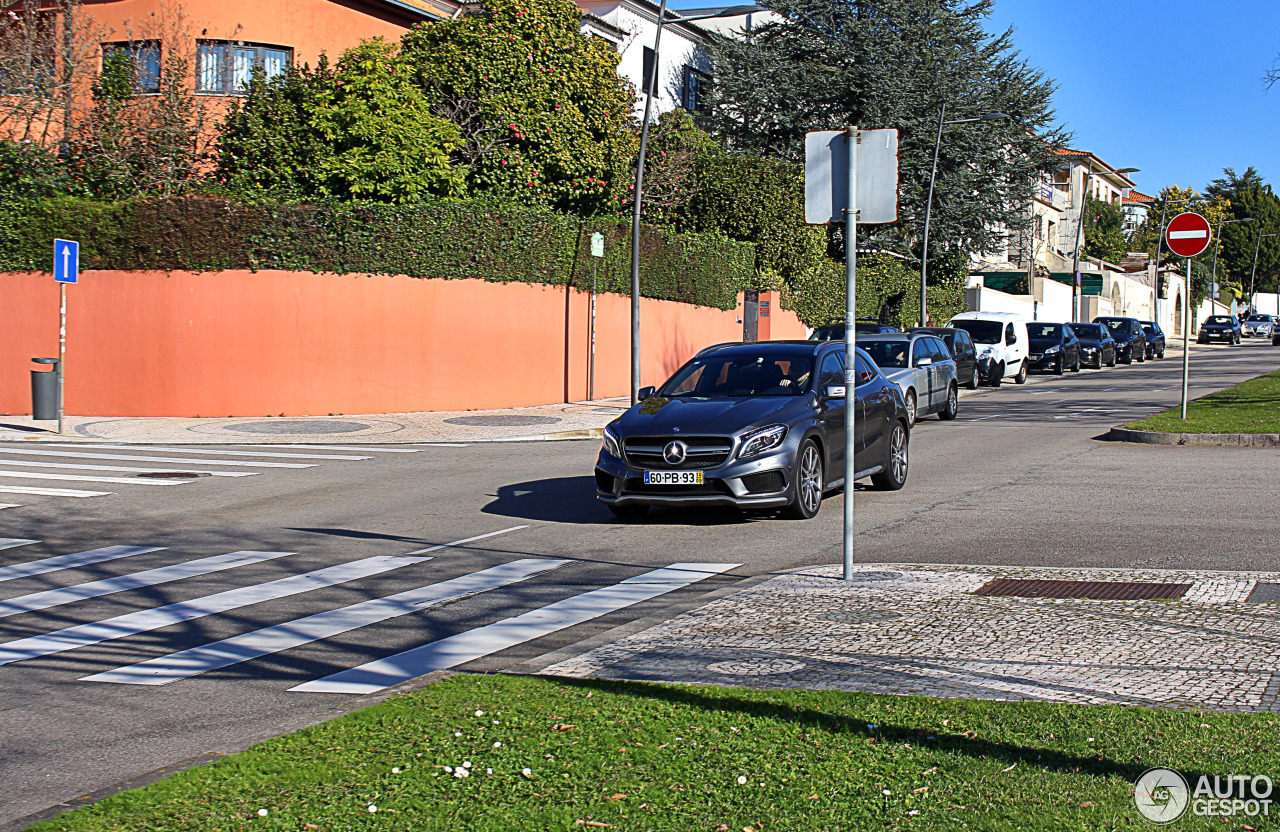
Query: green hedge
point(448, 239)
point(887, 290)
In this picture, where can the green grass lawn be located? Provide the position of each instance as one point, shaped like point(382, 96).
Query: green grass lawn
point(564, 755)
point(1250, 407)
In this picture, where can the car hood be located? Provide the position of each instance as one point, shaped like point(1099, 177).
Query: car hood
point(1042, 344)
point(1216, 326)
point(716, 416)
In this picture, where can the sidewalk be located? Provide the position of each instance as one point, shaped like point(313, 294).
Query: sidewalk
point(578, 420)
point(910, 629)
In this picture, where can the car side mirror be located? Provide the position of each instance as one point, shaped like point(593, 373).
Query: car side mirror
point(835, 391)
point(646, 392)
point(924, 362)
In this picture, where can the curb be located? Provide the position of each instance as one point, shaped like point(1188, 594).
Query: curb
point(1221, 440)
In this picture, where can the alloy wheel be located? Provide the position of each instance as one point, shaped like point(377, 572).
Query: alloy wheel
point(810, 490)
point(898, 451)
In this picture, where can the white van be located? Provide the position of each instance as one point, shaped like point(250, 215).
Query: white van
point(1000, 339)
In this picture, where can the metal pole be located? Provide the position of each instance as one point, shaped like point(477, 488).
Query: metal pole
point(635, 209)
point(591, 378)
point(1076, 288)
point(1217, 244)
point(1257, 247)
point(62, 347)
point(850, 347)
point(1186, 338)
point(928, 210)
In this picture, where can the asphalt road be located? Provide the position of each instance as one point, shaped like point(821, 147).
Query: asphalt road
point(1022, 477)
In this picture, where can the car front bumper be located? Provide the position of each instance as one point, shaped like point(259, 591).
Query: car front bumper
point(762, 481)
point(1260, 331)
point(1048, 361)
point(1217, 334)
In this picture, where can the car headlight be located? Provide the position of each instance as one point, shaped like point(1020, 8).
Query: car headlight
point(758, 441)
point(1052, 350)
point(612, 445)
point(987, 353)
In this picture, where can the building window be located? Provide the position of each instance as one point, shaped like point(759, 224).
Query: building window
point(695, 90)
point(145, 57)
point(225, 67)
point(648, 70)
point(27, 48)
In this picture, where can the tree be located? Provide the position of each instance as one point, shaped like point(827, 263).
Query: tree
point(545, 117)
point(1104, 230)
point(893, 63)
point(363, 130)
point(1249, 196)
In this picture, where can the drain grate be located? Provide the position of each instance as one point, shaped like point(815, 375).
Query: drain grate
point(1092, 590)
point(1265, 594)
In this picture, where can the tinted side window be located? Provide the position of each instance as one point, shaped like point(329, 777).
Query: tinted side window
point(1009, 337)
point(962, 343)
point(919, 350)
point(939, 350)
point(864, 371)
point(832, 371)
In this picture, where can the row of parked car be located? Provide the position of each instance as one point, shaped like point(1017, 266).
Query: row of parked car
point(762, 425)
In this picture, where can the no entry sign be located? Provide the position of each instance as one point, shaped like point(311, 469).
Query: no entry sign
point(1187, 234)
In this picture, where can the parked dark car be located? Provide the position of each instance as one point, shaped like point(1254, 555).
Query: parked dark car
point(1097, 347)
point(1054, 348)
point(1275, 338)
point(1155, 339)
point(963, 352)
point(922, 367)
point(755, 426)
point(835, 332)
point(1131, 341)
point(1223, 328)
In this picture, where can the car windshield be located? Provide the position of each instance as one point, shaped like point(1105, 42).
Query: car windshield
point(1087, 331)
point(888, 353)
point(1053, 331)
point(739, 376)
point(1114, 324)
point(982, 332)
point(1220, 319)
point(835, 332)
point(1148, 328)
point(1259, 318)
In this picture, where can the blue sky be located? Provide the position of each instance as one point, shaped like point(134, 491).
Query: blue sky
point(1172, 87)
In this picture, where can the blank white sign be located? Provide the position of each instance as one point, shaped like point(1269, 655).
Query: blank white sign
point(826, 177)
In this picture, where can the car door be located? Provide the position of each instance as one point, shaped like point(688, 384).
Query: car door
point(922, 375)
point(1071, 346)
point(832, 412)
point(875, 414)
point(962, 350)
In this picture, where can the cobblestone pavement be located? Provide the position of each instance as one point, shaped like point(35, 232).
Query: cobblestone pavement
point(922, 630)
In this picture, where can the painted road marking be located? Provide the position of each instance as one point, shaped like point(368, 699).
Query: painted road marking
point(443, 444)
point(34, 475)
point(83, 467)
point(1044, 392)
point(11, 542)
point(982, 418)
point(467, 540)
point(366, 449)
point(130, 458)
point(82, 635)
point(191, 450)
point(474, 644)
point(151, 577)
point(9, 505)
point(219, 654)
point(53, 564)
point(51, 492)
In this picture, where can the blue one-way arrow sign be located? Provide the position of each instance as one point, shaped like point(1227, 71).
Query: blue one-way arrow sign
point(66, 261)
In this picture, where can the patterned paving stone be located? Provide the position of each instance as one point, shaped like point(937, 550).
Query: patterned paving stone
point(922, 630)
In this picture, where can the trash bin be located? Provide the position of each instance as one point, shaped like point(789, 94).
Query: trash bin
point(44, 390)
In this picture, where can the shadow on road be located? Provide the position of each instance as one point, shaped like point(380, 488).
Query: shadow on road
point(573, 500)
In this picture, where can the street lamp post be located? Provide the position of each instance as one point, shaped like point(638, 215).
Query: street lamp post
point(928, 205)
point(1217, 243)
point(649, 84)
point(1076, 288)
point(1254, 273)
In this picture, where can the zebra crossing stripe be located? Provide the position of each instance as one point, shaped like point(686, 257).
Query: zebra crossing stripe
point(26, 463)
point(50, 492)
point(135, 458)
point(465, 541)
point(82, 635)
point(10, 542)
point(10, 505)
point(483, 641)
point(151, 577)
point(190, 450)
point(33, 475)
point(53, 564)
point(362, 449)
point(218, 654)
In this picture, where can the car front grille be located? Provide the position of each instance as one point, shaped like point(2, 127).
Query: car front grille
point(764, 482)
point(703, 451)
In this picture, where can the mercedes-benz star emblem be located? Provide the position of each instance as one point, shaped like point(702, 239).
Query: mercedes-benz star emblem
point(675, 452)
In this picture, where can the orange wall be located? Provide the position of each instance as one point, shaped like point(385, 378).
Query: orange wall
point(239, 343)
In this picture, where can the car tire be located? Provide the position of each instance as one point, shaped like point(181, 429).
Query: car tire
point(894, 475)
point(911, 408)
point(1060, 367)
point(1076, 367)
point(953, 404)
point(1021, 377)
point(630, 511)
point(1128, 359)
point(975, 379)
point(1110, 363)
point(1160, 354)
point(1142, 357)
point(997, 375)
point(808, 483)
